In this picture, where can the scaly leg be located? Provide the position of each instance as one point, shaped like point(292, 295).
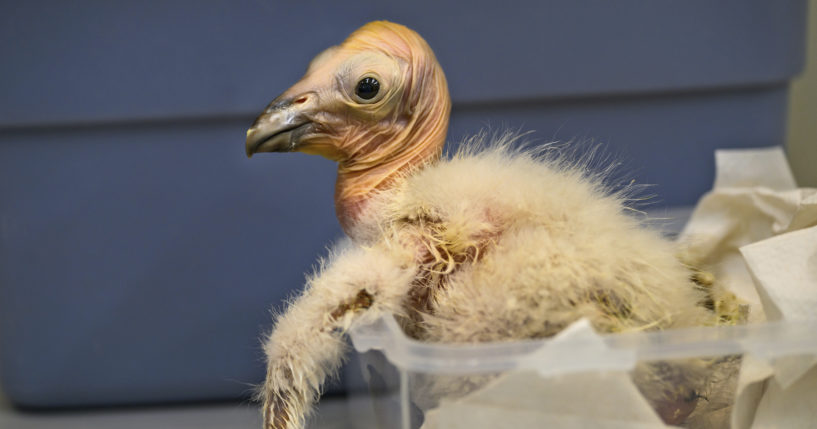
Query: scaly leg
point(306, 346)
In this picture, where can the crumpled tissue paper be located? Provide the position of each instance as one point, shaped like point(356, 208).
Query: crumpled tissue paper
point(605, 398)
point(758, 233)
point(754, 198)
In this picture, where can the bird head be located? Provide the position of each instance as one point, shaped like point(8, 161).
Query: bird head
point(377, 104)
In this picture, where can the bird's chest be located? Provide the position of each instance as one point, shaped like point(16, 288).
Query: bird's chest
point(444, 252)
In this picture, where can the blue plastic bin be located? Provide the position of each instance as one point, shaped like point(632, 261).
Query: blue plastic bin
point(140, 251)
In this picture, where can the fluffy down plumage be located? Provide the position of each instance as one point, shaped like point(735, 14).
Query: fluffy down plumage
point(489, 244)
point(517, 244)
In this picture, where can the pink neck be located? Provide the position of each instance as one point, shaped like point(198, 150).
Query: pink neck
point(354, 188)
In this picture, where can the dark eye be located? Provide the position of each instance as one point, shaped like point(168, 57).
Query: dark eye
point(367, 88)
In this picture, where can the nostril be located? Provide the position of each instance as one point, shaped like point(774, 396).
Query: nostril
point(300, 100)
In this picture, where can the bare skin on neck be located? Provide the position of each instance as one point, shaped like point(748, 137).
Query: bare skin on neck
point(354, 187)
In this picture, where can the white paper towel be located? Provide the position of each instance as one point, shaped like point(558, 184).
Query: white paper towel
point(784, 268)
point(751, 384)
point(792, 407)
point(756, 231)
point(606, 398)
point(754, 198)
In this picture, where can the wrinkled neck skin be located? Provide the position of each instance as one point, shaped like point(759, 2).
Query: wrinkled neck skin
point(377, 150)
point(357, 184)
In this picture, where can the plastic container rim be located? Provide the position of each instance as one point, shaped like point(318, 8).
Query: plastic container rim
point(763, 340)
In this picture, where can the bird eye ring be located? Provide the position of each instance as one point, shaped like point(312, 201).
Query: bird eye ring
point(367, 88)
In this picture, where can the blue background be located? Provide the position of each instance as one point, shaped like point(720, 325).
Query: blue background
point(141, 251)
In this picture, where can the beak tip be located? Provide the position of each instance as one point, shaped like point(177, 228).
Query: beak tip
point(249, 146)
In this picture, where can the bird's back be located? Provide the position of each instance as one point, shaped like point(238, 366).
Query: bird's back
point(518, 245)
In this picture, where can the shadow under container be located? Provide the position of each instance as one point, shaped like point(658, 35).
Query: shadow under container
point(688, 377)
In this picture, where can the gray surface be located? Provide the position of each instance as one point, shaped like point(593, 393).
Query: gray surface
point(140, 250)
point(353, 413)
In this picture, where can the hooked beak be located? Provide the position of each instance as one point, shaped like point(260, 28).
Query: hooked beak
point(280, 127)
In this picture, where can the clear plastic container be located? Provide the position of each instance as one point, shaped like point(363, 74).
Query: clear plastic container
point(696, 369)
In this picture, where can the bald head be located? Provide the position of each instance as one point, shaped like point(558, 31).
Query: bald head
point(377, 104)
point(378, 94)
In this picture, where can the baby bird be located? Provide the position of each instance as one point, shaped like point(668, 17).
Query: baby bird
point(489, 244)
